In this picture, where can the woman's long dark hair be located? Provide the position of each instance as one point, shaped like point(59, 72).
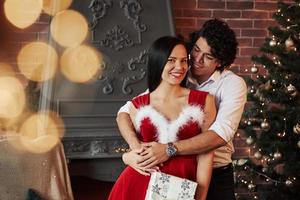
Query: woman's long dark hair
point(158, 55)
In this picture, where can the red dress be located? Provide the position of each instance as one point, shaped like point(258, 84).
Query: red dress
point(153, 126)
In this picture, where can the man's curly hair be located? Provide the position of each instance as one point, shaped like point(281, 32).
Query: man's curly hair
point(221, 38)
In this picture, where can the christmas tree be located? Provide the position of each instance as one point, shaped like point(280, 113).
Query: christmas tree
point(271, 120)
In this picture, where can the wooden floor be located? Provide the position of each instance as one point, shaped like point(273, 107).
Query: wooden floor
point(90, 189)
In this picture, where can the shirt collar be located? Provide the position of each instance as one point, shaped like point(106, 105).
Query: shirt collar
point(214, 77)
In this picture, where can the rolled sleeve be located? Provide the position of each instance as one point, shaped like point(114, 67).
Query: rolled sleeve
point(230, 109)
point(125, 108)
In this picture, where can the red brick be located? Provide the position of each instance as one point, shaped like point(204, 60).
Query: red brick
point(240, 23)
point(271, 15)
point(237, 32)
point(44, 37)
point(226, 14)
point(200, 22)
point(23, 37)
point(186, 31)
point(177, 12)
point(196, 13)
point(249, 51)
point(211, 5)
point(254, 14)
point(185, 22)
point(44, 18)
point(264, 23)
point(254, 32)
point(184, 4)
point(239, 5)
point(37, 27)
point(235, 68)
point(246, 60)
point(238, 142)
point(241, 152)
point(258, 42)
point(244, 42)
point(14, 47)
point(178, 30)
point(265, 6)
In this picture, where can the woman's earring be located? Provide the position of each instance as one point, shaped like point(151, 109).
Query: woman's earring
point(189, 61)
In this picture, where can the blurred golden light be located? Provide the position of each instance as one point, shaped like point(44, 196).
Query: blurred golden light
point(41, 132)
point(12, 101)
point(22, 13)
point(81, 64)
point(69, 28)
point(37, 61)
point(6, 69)
point(52, 7)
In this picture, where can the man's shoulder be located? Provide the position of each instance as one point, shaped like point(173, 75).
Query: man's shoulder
point(229, 75)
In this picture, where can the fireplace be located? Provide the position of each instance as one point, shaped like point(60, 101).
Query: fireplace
point(121, 30)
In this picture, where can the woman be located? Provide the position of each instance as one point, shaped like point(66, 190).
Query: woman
point(168, 113)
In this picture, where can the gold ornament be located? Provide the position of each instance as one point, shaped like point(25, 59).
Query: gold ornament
point(298, 143)
point(296, 128)
point(265, 125)
point(252, 90)
point(290, 88)
point(251, 186)
point(294, 94)
point(249, 140)
point(277, 155)
point(288, 183)
point(274, 81)
point(254, 69)
point(289, 43)
point(281, 135)
point(257, 155)
point(273, 42)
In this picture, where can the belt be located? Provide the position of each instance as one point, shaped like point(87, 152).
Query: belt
point(223, 168)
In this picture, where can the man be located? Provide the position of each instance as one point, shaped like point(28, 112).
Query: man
point(214, 48)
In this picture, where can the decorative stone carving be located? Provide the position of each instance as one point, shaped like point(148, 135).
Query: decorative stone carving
point(96, 148)
point(76, 146)
point(99, 10)
point(134, 76)
point(117, 39)
point(132, 10)
point(142, 59)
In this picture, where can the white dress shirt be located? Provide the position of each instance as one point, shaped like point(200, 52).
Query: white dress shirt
point(230, 93)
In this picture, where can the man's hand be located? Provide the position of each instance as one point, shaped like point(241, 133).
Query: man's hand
point(154, 154)
point(133, 159)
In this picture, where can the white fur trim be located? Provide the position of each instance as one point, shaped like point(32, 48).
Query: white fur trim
point(167, 131)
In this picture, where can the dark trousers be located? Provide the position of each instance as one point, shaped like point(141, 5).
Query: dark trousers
point(222, 184)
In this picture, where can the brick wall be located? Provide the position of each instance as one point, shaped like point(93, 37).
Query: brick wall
point(249, 19)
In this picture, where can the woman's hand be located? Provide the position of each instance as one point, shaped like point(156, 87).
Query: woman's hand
point(133, 159)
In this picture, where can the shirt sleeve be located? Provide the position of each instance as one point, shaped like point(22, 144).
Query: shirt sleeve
point(125, 108)
point(232, 102)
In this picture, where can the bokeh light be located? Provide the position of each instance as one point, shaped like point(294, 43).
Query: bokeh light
point(38, 61)
point(22, 13)
point(13, 99)
point(41, 132)
point(69, 28)
point(81, 64)
point(52, 7)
